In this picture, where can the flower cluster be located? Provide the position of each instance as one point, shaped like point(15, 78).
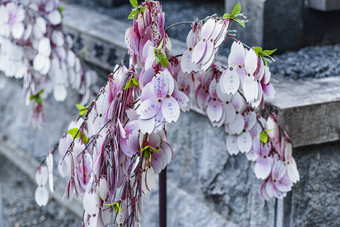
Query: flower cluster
point(34, 47)
point(112, 154)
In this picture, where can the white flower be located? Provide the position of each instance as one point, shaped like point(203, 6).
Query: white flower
point(16, 15)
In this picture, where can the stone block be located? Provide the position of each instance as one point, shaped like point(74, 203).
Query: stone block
point(289, 24)
point(272, 24)
point(315, 200)
point(323, 5)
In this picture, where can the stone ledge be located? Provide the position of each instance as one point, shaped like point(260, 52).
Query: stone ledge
point(305, 109)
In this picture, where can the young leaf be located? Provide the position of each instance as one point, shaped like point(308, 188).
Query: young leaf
point(61, 9)
point(264, 137)
point(82, 109)
point(37, 97)
point(241, 22)
point(116, 206)
point(74, 132)
point(133, 14)
point(163, 60)
point(228, 15)
point(84, 138)
point(134, 3)
point(268, 52)
point(149, 147)
point(160, 45)
point(131, 82)
point(40, 92)
point(135, 82)
point(237, 9)
point(128, 85)
point(258, 50)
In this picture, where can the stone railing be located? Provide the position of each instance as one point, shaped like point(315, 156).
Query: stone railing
point(206, 186)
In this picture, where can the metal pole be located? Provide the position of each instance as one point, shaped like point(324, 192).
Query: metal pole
point(162, 198)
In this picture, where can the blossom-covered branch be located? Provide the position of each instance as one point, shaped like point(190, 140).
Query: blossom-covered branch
point(112, 155)
point(33, 47)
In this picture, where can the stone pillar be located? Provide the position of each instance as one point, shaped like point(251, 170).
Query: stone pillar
point(272, 23)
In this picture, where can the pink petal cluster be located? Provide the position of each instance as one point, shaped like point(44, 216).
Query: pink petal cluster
point(34, 48)
point(148, 26)
point(121, 145)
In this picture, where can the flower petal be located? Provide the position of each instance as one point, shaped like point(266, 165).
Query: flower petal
point(237, 55)
point(284, 184)
point(215, 110)
point(41, 196)
point(250, 88)
point(208, 28)
point(237, 125)
point(250, 63)
point(181, 98)
point(148, 109)
point(147, 125)
point(54, 17)
point(199, 51)
point(230, 81)
point(244, 142)
point(232, 144)
point(170, 109)
point(230, 113)
point(186, 61)
point(263, 167)
point(18, 30)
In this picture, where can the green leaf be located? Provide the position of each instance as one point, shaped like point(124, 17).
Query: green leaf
point(133, 14)
point(84, 138)
point(135, 82)
point(82, 109)
point(264, 137)
point(74, 132)
point(116, 206)
point(41, 91)
point(131, 82)
point(149, 147)
point(134, 3)
point(37, 97)
point(228, 15)
point(258, 50)
point(128, 85)
point(61, 9)
point(241, 22)
point(159, 48)
point(268, 52)
point(142, 9)
point(163, 60)
point(237, 9)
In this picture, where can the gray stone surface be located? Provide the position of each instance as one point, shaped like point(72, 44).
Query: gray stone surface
point(315, 199)
point(324, 5)
point(287, 25)
point(1, 209)
point(19, 206)
point(203, 168)
point(308, 63)
point(272, 23)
